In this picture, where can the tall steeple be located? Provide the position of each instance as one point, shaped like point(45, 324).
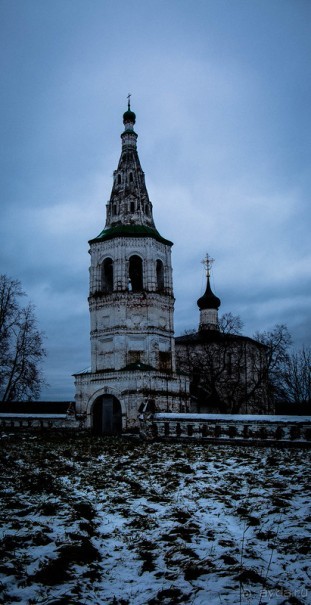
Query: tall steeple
point(131, 305)
point(129, 202)
point(208, 303)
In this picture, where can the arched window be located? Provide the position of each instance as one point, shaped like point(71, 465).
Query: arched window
point(132, 206)
point(119, 179)
point(136, 273)
point(160, 276)
point(131, 177)
point(107, 275)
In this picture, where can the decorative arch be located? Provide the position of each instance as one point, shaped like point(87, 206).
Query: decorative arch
point(160, 275)
point(107, 275)
point(105, 410)
point(136, 273)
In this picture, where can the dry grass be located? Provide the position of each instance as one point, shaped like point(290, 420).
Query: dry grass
point(91, 520)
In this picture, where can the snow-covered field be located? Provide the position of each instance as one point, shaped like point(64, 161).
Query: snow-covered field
point(92, 521)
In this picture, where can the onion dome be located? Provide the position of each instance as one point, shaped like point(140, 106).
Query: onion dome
point(129, 116)
point(208, 300)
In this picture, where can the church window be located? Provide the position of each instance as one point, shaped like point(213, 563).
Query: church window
point(165, 361)
point(160, 275)
point(114, 209)
point(131, 177)
point(119, 179)
point(147, 210)
point(107, 275)
point(136, 273)
point(132, 206)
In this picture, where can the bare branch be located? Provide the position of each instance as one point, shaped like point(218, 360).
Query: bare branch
point(21, 345)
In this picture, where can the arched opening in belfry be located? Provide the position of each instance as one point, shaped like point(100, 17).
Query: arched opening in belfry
point(107, 275)
point(136, 273)
point(160, 275)
point(107, 416)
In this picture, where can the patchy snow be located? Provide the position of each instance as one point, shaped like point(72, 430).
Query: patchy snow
point(112, 521)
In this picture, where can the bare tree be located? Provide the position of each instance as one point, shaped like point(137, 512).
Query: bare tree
point(234, 373)
point(230, 324)
point(228, 371)
point(21, 348)
point(297, 379)
point(277, 342)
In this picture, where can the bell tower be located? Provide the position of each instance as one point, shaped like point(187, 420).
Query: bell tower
point(131, 301)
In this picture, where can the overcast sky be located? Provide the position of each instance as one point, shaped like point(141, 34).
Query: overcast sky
point(221, 91)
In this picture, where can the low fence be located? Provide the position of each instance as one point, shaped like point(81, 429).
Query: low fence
point(224, 428)
point(38, 421)
point(214, 428)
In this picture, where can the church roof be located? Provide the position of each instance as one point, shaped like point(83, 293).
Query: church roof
point(215, 336)
point(129, 210)
point(130, 231)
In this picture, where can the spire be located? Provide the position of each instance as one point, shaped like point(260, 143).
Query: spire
point(208, 303)
point(129, 202)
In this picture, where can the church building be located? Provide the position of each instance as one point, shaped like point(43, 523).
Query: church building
point(228, 371)
point(131, 304)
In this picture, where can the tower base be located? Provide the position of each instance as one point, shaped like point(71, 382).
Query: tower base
point(111, 402)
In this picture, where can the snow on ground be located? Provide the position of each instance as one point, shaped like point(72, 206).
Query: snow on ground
point(235, 417)
point(93, 521)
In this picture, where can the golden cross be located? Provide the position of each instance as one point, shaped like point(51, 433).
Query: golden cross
point(207, 262)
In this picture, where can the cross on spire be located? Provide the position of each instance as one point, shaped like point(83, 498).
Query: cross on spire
point(129, 100)
point(207, 262)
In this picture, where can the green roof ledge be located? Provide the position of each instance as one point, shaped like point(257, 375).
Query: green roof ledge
point(130, 231)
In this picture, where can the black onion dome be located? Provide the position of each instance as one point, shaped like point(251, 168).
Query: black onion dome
point(129, 116)
point(208, 300)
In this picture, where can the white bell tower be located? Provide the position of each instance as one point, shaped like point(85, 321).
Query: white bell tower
point(131, 306)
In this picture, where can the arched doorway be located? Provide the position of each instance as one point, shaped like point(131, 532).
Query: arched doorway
point(107, 415)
